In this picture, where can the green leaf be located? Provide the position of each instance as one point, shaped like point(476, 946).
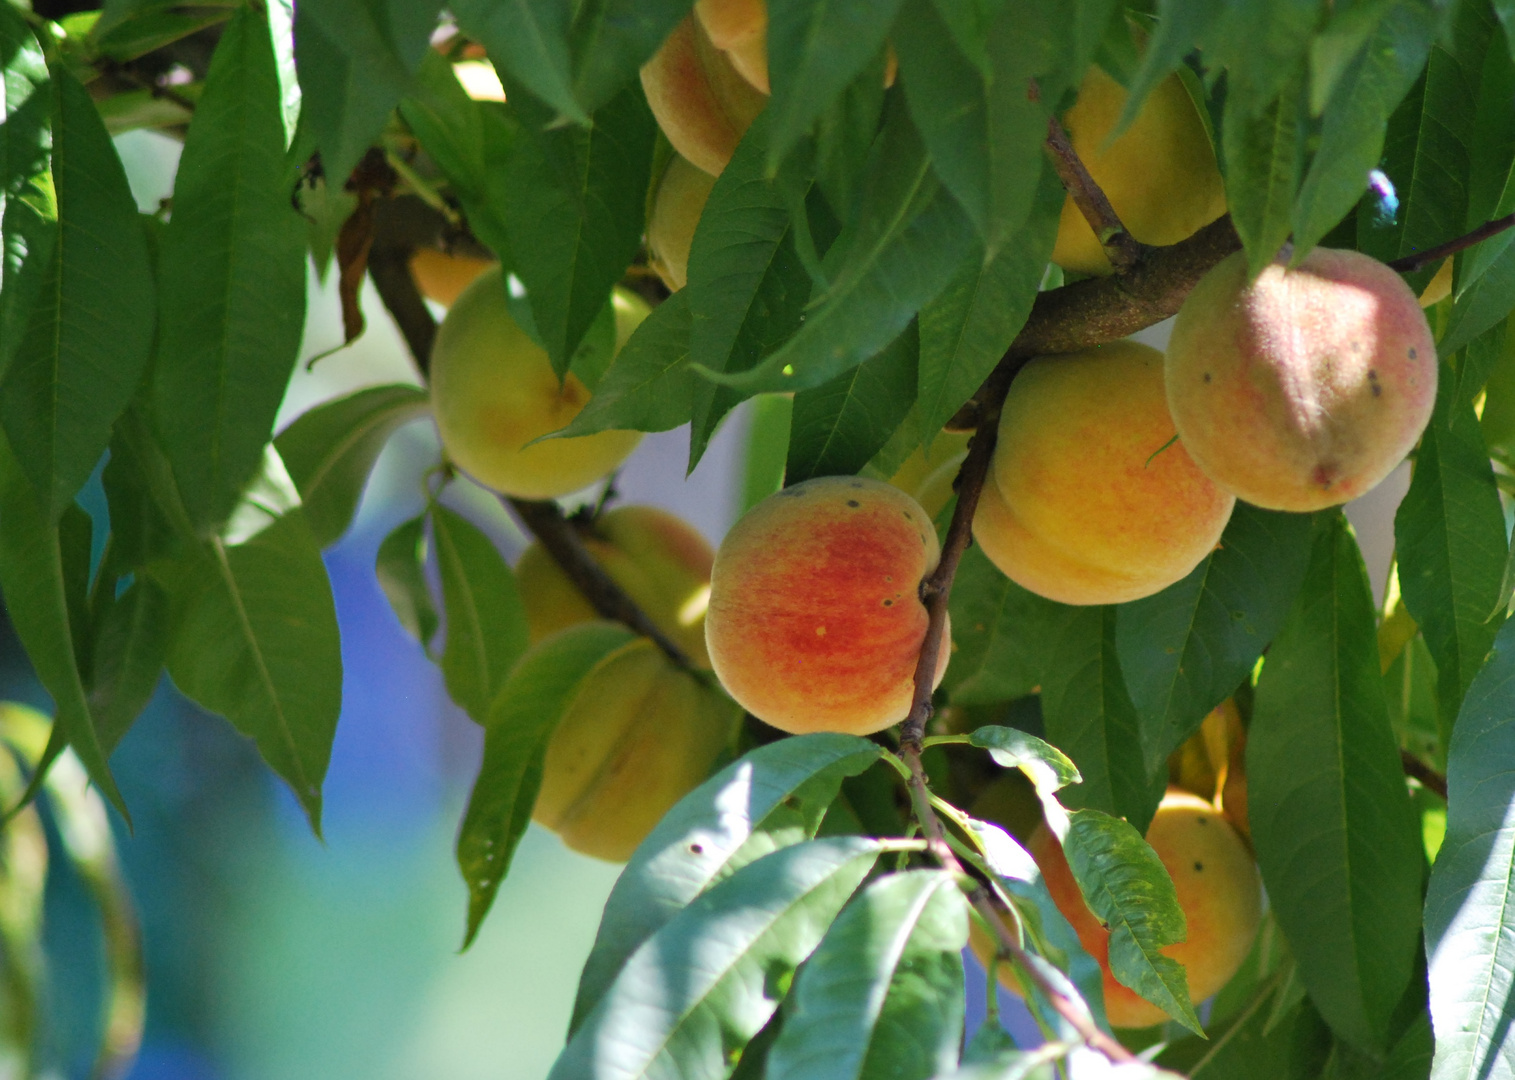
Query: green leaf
point(1336, 839)
point(1449, 536)
point(1352, 130)
point(908, 240)
point(999, 634)
point(1179, 27)
point(87, 342)
point(838, 426)
point(400, 567)
point(128, 654)
point(573, 211)
point(1186, 649)
point(814, 51)
point(1127, 887)
point(233, 273)
point(1469, 915)
point(767, 448)
point(648, 386)
point(747, 286)
point(355, 60)
point(448, 124)
point(147, 517)
point(1264, 157)
point(1089, 716)
point(28, 204)
point(486, 621)
point(519, 723)
point(611, 41)
point(1047, 767)
point(256, 641)
point(966, 330)
point(528, 40)
point(665, 1015)
point(772, 797)
point(882, 995)
point(34, 580)
point(1261, 45)
point(983, 130)
point(331, 449)
point(1257, 1045)
point(1485, 302)
point(1491, 173)
point(127, 31)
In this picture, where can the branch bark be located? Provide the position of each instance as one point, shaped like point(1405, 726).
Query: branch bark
point(1410, 263)
point(1122, 249)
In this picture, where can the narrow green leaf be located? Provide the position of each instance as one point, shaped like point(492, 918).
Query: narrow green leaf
point(1327, 799)
point(1491, 173)
point(400, 567)
point(665, 1016)
point(1127, 887)
point(1045, 765)
point(1000, 634)
point(1186, 649)
point(449, 125)
point(147, 517)
point(517, 727)
point(648, 386)
point(34, 581)
point(87, 342)
point(1262, 45)
point(767, 448)
point(611, 41)
point(1449, 535)
point(130, 649)
point(28, 204)
point(773, 797)
point(137, 32)
point(1256, 1046)
point(1264, 157)
point(1180, 26)
point(882, 995)
point(838, 426)
point(1352, 130)
point(331, 449)
point(1089, 716)
point(355, 60)
point(573, 211)
point(1469, 915)
point(814, 51)
point(486, 621)
point(256, 640)
point(1485, 302)
point(233, 271)
point(968, 327)
point(529, 41)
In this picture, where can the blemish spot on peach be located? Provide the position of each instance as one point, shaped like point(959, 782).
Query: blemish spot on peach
point(820, 631)
point(853, 503)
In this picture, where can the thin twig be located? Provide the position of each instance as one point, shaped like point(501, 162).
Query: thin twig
point(1429, 778)
point(1122, 249)
point(1411, 263)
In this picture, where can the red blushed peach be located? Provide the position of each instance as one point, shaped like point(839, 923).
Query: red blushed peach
point(815, 619)
point(1306, 387)
point(701, 102)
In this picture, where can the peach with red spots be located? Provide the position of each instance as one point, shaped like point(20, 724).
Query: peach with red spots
point(815, 620)
point(1304, 388)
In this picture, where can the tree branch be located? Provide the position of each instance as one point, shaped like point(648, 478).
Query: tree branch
point(1122, 249)
point(1429, 778)
point(1411, 263)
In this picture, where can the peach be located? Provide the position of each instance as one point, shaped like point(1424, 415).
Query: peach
point(927, 477)
point(1090, 501)
point(739, 28)
point(815, 620)
point(661, 562)
point(701, 102)
point(681, 196)
point(1304, 388)
point(1439, 287)
point(493, 391)
point(1218, 889)
point(1160, 175)
point(442, 277)
point(639, 736)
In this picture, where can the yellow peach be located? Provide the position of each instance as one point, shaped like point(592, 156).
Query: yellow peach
point(493, 391)
point(682, 192)
point(815, 620)
point(739, 28)
point(1306, 387)
point(701, 102)
point(442, 277)
point(1090, 500)
point(1439, 287)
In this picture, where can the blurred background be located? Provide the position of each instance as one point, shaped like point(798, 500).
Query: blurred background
point(271, 954)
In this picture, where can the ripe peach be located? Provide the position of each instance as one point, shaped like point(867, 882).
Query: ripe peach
point(739, 28)
point(1304, 388)
point(1439, 287)
point(662, 563)
point(493, 391)
point(1218, 889)
point(638, 737)
point(682, 192)
point(928, 477)
point(815, 620)
point(442, 277)
point(701, 102)
point(1160, 175)
point(1090, 501)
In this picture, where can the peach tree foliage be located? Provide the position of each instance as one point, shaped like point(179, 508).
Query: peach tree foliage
point(876, 252)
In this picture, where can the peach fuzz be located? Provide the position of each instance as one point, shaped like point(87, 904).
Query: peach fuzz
point(1306, 387)
point(701, 102)
point(681, 196)
point(1218, 889)
point(1160, 174)
point(493, 392)
point(639, 736)
point(660, 561)
point(815, 620)
point(1089, 500)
